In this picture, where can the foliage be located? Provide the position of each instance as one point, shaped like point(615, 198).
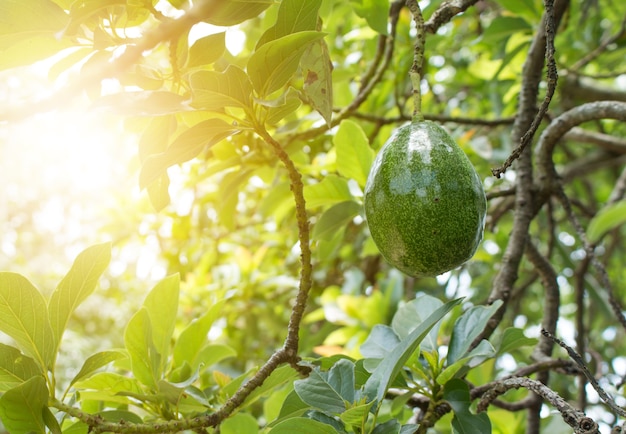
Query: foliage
point(257, 122)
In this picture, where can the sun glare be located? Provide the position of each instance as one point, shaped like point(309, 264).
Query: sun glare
point(59, 173)
point(66, 152)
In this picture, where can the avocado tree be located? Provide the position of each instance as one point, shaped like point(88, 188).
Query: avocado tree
point(255, 125)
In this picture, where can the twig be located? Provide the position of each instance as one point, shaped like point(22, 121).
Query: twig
point(552, 77)
point(166, 31)
point(548, 277)
point(590, 251)
point(367, 86)
point(297, 188)
point(526, 201)
point(433, 117)
point(599, 49)
point(581, 332)
point(545, 148)
point(445, 12)
point(619, 190)
point(592, 380)
point(418, 59)
point(573, 417)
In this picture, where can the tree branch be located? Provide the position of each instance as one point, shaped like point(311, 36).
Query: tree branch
point(564, 123)
point(525, 207)
point(445, 12)
point(165, 31)
point(573, 417)
point(592, 380)
point(549, 23)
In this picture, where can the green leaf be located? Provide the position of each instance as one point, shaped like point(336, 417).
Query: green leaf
point(194, 336)
point(375, 12)
point(214, 90)
point(341, 378)
point(334, 219)
point(142, 103)
point(51, 422)
point(20, 19)
point(120, 415)
point(29, 31)
point(331, 190)
point(390, 427)
point(329, 391)
point(21, 408)
point(380, 342)
point(354, 155)
point(317, 70)
point(526, 8)
point(78, 284)
point(278, 378)
point(241, 423)
point(108, 382)
point(356, 415)
point(156, 135)
point(385, 373)
point(76, 428)
point(503, 27)
point(159, 192)
point(15, 367)
point(26, 52)
point(293, 16)
point(145, 359)
point(410, 315)
point(456, 392)
point(468, 327)
point(278, 203)
point(24, 317)
point(185, 147)
point(143, 76)
point(181, 395)
point(288, 104)
point(293, 406)
point(318, 416)
point(206, 50)
point(231, 12)
point(483, 351)
point(228, 193)
point(409, 428)
point(86, 10)
point(608, 218)
point(514, 338)
point(162, 306)
point(95, 362)
point(510, 55)
point(274, 63)
point(302, 425)
point(211, 354)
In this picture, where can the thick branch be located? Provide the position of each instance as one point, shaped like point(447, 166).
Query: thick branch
point(587, 90)
point(604, 141)
point(566, 122)
point(525, 208)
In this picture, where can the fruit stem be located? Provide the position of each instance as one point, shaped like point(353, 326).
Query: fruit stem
point(418, 59)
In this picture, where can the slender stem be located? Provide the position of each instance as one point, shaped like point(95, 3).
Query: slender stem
point(297, 188)
point(418, 59)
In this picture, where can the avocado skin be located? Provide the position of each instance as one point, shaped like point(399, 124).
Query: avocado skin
point(424, 202)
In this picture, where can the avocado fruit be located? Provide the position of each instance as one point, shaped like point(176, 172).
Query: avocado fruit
point(424, 202)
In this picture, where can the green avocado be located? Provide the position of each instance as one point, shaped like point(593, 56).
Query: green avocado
point(424, 202)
